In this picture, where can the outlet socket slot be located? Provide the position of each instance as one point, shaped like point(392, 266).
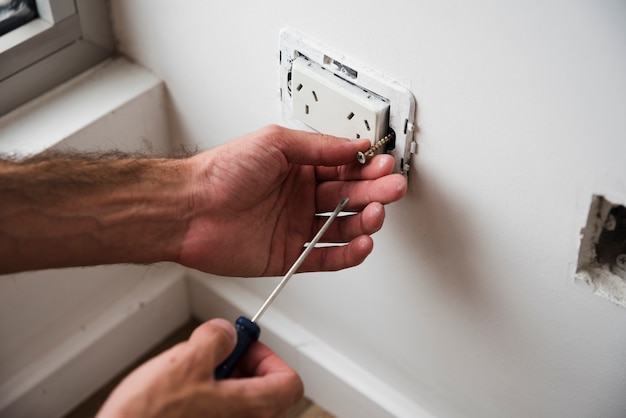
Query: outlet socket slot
point(332, 105)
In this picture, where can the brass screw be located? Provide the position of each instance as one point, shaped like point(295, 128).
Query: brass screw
point(362, 156)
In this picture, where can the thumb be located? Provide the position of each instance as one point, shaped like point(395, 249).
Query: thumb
point(216, 338)
point(309, 148)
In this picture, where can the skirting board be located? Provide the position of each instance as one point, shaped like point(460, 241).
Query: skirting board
point(332, 380)
point(55, 384)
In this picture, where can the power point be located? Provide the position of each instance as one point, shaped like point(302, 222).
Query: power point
point(331, 105)
point(324, 91)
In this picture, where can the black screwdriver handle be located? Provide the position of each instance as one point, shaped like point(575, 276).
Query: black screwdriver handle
point(247, 333)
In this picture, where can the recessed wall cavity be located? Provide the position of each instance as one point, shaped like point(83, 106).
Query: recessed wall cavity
point(602, 256)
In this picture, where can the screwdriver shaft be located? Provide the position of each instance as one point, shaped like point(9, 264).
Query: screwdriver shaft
point(300, 259)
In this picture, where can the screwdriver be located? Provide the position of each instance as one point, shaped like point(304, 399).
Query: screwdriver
point(247, 329)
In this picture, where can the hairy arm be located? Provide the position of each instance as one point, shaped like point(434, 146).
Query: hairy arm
point(65, 212)
point(245, 208)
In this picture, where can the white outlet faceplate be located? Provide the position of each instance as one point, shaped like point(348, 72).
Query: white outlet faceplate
point(334, 106)
point(383, 103)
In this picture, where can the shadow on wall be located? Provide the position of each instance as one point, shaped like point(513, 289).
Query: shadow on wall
point(440, 238)
point(453, 267)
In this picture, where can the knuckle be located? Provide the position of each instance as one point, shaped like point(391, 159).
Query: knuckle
point(272, 130)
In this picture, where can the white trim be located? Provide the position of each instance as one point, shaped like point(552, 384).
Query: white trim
point(55, 10)
point(332, 380)
point(55, 384)
point(80, 103)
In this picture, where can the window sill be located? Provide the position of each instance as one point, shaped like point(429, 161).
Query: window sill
point(76, 112)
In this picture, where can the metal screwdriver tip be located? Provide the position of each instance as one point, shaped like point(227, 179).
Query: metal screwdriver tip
point(300, 259)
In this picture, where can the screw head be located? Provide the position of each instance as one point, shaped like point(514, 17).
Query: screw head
point(361, 157)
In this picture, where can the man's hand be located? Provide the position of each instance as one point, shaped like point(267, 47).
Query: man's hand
point(255, 200)
point(245, 208)
point(179, 382)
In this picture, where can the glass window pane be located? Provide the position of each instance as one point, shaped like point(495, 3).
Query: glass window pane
point(15, 13)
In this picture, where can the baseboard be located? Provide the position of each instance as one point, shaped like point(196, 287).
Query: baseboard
point(160, 304)
point(332, 380)
point(68, 374)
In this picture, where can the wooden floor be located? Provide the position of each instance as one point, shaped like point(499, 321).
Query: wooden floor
point(89, 408)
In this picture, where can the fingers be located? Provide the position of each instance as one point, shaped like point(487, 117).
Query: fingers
point(179, 382)
point(273, 384)
point(260, 360)
point(216, 338)
point(337, 173)
point(339, 257)
point(346, 228)
point(385, 190)
point(379, 166)
point(309, 148)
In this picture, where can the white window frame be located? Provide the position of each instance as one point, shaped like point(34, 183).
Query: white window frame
point(68, 37)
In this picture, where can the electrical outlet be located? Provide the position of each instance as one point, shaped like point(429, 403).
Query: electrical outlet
point(334, 106)
point(325, 91)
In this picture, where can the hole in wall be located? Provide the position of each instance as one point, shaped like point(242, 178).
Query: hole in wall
point(602, 254)
point(611, 246)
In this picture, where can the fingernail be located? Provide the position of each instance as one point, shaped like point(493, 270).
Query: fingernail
point(385, 161)
point(402, 186)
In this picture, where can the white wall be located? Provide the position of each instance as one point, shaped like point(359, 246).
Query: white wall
point(468, 304)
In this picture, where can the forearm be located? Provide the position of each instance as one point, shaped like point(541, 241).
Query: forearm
point(72, 212)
